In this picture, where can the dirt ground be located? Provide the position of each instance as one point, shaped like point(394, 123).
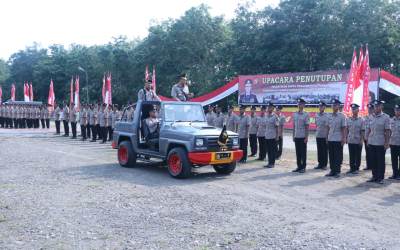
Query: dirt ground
point(58, 193)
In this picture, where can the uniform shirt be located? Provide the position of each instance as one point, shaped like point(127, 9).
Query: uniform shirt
point(177, 92)
point(231, 121)
point(253, 125)
point(243, 124)
point(66, 114)
point(42, 113)
point(261, 126)
point(395, 131)
point(282, 120)
point(272, 123)
point(210, 116)
point(46, 113)
point(147, 95)
point(152, 124)
point(300, 120)
point(72, 115)
point(336, 123)
point(91, 117)
point(219, 120)
point(114, 118)
point(322, 120)
point(377, 126)
point(100, 117)
point(83, 119)
point(355, 127)
point(108, 118)
point(57, 114)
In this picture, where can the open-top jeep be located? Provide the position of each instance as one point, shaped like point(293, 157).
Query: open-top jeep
point(183, 139)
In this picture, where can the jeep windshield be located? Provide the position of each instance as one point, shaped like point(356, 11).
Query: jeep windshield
point(183, 113)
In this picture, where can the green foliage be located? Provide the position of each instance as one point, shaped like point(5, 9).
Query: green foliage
point(298, 35)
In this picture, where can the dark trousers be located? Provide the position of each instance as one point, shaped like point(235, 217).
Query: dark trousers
point(103, 133)
point(263, 150)
point(243, 144)
point(98, 131)
point(253, 144)
point(270, 145)
point(83, 131)
point(110, 132)
point(88, 129)
point(301, 152)
point(279, 147)
point(335, 150)
point(2, 122)
point(355, 156)
point(43, 124)
point(395, 156)
point(94, 132)
point(66, 127)
point(367, 156)
point(322, 150)
point(378, 162)
point(47, 123)
point(73, 127)
point(57, 127)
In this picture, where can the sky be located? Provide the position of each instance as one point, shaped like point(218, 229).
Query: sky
point(91, 22)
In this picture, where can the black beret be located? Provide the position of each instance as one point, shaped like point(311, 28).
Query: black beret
point(336, 101)
point(354, 106)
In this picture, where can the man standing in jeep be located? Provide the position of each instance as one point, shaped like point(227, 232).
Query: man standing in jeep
point(147, 93)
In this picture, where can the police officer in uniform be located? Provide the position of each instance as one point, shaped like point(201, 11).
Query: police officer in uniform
point(355, 138)
point(92, 122)
point(301, 121)
point(147, 93)
point(57, 114)
point(261, 130)
point(210, 116)
point(102, 123)
point(42, 118)
point(109, 122)
point(83, 121)
point(321, 120)
point(219, 119)
point(253, 132)
point(378, 141)
point(367, 120)
point(66, 120)
point(282, 120)
point(395, 142)
point(72, 119)
point(336, 139)
point(271, 134)
point(231, 120)
point(243, 125)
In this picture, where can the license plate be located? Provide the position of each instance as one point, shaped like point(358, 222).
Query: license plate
point(223, 156)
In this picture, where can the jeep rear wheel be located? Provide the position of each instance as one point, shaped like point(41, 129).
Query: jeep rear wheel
point(179, 165)
point(126, 155)
point(225, 168)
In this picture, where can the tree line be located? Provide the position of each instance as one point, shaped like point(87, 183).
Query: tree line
point(297, 35)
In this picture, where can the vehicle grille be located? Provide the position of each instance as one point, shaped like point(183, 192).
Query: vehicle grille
point(212, 144)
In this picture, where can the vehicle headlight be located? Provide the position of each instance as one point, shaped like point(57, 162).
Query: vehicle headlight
point(235, 141)
point(199, 142)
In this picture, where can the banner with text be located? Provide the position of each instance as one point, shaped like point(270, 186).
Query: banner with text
point(286, 88)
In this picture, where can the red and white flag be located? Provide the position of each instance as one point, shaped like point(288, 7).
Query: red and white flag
point(26, 92)
point(1, 95)
point(350, 84)
point(103, 89)
point(147, 74)
point(153, 79)
point(358, 84)
point(13, 92)
point(77, 98)
point(71, 95)
point(108, 91)
point(30, 92)
point(365, 76)
point(51, 99)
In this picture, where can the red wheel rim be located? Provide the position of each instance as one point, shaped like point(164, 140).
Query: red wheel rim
point(175, 164)
point(123, 155)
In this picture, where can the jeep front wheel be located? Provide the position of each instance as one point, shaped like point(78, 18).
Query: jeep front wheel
point(225, 168)
point(126, 155)
point(179, 165)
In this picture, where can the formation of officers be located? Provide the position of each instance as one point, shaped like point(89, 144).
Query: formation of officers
point(97, 121)
point(376, 133)
point(20, 116)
